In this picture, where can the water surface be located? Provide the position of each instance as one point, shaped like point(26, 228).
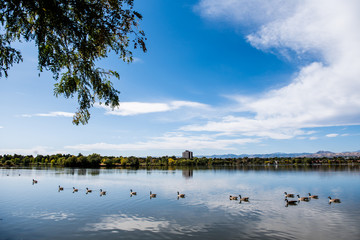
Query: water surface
point(40, 211)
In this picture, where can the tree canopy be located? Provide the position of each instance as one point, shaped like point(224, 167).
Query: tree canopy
point(71, 36)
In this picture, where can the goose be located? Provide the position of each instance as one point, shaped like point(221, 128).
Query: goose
point(335, 200)
point(75, 189)
point(182, 195)
point(35, 181)
point(292, 202)
point(288, 195)
point(132, 193)
point(313, 196)
point(152, 195)
point(61, 188)
point(246, 199)
point(88, 190)
point(305, 199)
point(102, 192)
point(233, 197)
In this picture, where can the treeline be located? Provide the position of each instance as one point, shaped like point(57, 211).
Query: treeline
point(96, 161)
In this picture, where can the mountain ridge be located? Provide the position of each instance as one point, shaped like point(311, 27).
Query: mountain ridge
point(318, 154)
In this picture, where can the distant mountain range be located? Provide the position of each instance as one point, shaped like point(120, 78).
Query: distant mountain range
point(318, 154)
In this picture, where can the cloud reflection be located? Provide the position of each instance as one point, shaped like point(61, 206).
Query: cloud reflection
point(124, 222)
point(56, 216)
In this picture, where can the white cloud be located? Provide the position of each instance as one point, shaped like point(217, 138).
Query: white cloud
point(1, 127)
point(322, 93)
point(50, 114)
point(136, 108)
point(272, 128)
point(170, 141)
point(137, 60)
point(246, 12)
point(31, 151)
point(331, 135)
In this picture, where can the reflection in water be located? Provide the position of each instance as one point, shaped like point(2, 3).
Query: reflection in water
point(127, 223)
point(81, 171)
point(187, 173)
point(93, 172)
point(55, 216)
point(124, 222)
point(40, 211)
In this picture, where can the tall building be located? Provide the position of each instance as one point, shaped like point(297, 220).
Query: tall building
point(187, 154)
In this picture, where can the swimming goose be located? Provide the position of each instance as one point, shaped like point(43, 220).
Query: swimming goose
point(305, 199)
point(152, 195)
point(132, 193)
point(182, 195)
point(313, 196)
point(88, 190)
point(233, 197)
point(61, 188)
point(335, 200)
point(102, 192)
point(75, 189)
point(292, 202)
point(245, 199)
point(288, 195)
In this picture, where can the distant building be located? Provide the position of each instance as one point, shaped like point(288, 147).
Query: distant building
point(187, 154)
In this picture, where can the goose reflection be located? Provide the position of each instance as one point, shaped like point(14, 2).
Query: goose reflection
point(291, 203)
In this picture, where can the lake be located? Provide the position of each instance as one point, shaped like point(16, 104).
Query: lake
point(41, 211)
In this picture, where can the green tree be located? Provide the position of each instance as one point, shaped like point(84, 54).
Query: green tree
point(94, 160)
point(71, 36)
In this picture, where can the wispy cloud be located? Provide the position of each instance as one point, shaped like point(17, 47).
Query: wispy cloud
point(170, 141)
point(31, 151)
point(332, 135)
point(271, 128)
point(137, 60)
point(50, 114)
point(246, 12)
point(323, 92)
point(136, 108)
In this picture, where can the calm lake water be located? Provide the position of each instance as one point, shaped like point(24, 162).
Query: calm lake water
point(40, 211)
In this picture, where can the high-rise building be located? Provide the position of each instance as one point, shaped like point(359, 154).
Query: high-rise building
point(187, 154)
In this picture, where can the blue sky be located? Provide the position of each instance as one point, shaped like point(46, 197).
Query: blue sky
point(245, 76)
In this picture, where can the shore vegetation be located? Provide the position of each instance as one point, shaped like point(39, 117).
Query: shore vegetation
point(96, 161)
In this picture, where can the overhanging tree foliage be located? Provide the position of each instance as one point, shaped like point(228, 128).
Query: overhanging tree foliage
point(71, 35)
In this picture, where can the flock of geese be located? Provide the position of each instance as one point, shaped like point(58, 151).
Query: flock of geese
point(290, 195)
point(245, 199)
point(102, 193)
point(306, 199)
